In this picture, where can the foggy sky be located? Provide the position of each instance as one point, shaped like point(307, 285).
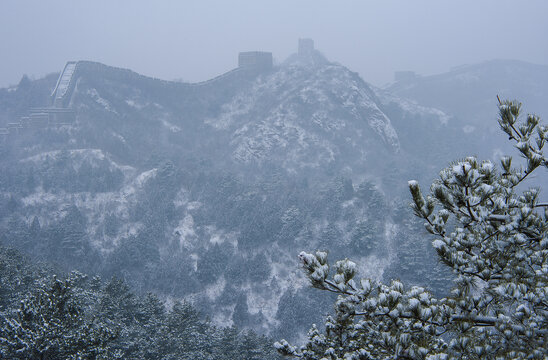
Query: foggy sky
point(196, 40)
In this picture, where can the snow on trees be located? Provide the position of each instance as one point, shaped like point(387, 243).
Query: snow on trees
point(494, 236)
point(51, 324)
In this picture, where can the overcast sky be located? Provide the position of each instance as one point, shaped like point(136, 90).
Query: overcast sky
point(196, 40)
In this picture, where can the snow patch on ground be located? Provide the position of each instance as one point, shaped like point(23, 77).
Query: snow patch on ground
point(411, 106)
point(78, 157)
point(97, 154)
point(51, 207)
point(131, 229)
point(142, 179)
point(349, 203)
point(194, 205)
point(181, 198)
point(264, 302)
point(381, 124)
point(195, 258)
point(265, 298)
point(186, 233)
point(217, 236)
point(215, 290)
point(170, 126)
point(39, 197)
point(468, 129)
point(134, 104)
point(119, 137)
point(101, 101)
point(223, 317)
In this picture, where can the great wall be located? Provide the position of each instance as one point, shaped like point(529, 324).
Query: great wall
point(59, 112)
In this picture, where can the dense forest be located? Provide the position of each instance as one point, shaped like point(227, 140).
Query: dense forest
point(47, 315)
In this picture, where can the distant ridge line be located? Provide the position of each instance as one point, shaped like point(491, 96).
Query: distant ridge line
point(67, 76)
point(216, 78)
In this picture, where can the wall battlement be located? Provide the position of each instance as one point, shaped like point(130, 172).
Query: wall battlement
point(257, 60)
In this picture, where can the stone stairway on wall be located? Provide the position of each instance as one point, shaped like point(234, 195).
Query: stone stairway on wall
point(65, 84)
point(53, 116)
point(59, 114)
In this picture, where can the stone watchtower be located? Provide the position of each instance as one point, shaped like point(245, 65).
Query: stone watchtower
point(306, 46)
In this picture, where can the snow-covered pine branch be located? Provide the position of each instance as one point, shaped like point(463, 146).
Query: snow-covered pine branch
point(495, 239)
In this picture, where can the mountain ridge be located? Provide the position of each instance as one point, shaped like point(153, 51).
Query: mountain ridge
point(208, 192)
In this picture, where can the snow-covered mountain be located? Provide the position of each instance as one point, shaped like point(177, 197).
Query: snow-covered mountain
point(469, 95)
point(307, 114)
point(209, 191)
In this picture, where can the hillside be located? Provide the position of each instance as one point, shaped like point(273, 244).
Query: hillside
point(468, 93)
point(208, 191)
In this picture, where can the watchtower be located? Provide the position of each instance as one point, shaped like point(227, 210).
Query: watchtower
point(306, 46)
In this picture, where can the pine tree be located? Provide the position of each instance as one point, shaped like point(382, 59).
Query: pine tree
point(186, 335)
point(491, 232)
point(50, 324)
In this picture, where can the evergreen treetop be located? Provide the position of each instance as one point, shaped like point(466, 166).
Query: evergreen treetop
point(491, 233)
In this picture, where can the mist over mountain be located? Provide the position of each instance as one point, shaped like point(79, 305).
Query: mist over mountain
point(208, 191)
point(469, 93)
